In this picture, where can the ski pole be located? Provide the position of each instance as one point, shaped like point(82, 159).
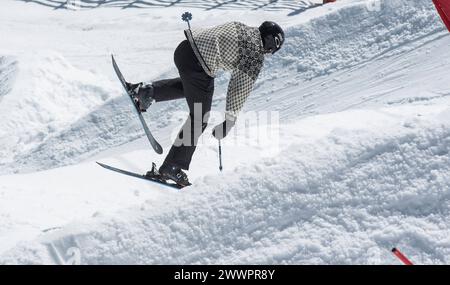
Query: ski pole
point(400, 256)
point(220, 156)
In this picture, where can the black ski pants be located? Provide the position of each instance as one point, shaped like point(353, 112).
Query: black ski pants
point(198, 88)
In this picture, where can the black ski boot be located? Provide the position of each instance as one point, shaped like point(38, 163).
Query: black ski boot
point(173, 173)
point(142, 94)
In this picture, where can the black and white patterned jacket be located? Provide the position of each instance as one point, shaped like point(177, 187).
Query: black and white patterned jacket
point(233, 47)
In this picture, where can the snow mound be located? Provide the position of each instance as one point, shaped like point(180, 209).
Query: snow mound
point(46, 97)
point(353, 35)
point(349, 187)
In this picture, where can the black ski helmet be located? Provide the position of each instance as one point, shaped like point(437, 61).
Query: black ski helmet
point(272, 36)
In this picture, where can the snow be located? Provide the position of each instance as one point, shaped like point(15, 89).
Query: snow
point(358, 164)
point(343, 195)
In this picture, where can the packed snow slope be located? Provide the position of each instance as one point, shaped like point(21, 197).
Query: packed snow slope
point(350, 186)
point(361, 162)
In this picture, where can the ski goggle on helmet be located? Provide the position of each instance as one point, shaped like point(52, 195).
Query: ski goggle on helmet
point(272, 36)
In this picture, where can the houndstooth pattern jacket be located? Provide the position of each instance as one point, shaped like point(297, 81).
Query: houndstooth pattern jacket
point(233, 47)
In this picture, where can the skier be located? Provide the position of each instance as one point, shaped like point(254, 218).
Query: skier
point(233, 47)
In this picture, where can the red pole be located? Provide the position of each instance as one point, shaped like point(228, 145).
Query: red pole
point(443, 8)
point(400, 256)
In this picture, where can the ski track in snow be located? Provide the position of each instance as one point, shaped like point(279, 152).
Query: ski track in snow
point(8, 69)
point(362, 165)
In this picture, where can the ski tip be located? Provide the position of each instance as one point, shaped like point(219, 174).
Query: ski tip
point(99, 163)
point(157, 147)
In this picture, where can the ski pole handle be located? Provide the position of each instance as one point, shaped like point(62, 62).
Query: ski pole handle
point(220, 156)
point(187, 17)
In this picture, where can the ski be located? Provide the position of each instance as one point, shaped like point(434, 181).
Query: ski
point(156, 146)
point(142, 176)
